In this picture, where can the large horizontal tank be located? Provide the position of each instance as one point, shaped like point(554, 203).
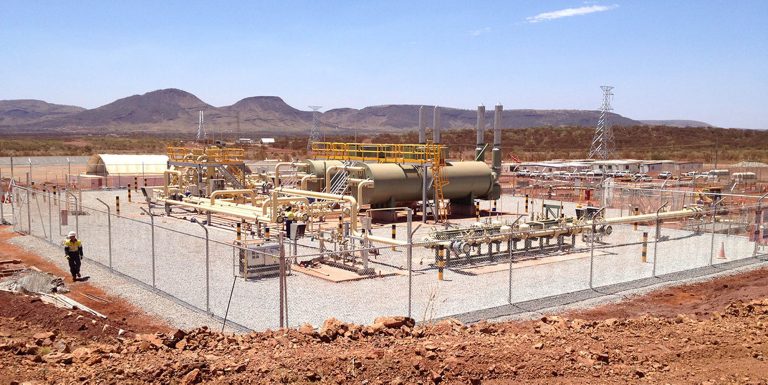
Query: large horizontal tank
point(403, 183)
point(317, 168)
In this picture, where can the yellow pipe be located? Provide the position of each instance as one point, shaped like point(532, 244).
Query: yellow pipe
point(277, 171)
point(268, 202)
point(233, 192)
point(231, 211)
point(330, 169)
point(167, 180)
point(305, 179)
point(360, 186)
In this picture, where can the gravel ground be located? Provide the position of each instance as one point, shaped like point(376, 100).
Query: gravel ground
point(163, 307)
point(179, 269)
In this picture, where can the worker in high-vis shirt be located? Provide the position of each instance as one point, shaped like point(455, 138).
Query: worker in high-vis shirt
point(73, 249)
point(290, 217)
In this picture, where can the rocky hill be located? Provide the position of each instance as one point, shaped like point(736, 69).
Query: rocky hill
point(676, 123)
point(24, 111)
point(176, 111)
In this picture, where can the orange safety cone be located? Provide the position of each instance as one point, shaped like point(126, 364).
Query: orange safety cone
point(721, 255)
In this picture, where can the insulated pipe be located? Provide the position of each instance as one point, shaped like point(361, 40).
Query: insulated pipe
point(496, 153)
point(233, 192)
point(167, 179)
point(269, 201)
point(422, 126)
point(497, 116)
point(278, 166)
point(305, 179)
point(436, 125)
point(586, 226)
point(330, 170)
point(360, 186)
point(353, 212)
point(235, 212)
point(319, 195)
point(480, 132)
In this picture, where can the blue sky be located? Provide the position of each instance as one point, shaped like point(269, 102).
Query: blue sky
point(703, 60)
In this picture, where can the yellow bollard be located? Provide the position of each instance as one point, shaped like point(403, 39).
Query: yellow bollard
point(239, 231)
point(440, 263)
point(477, 210)
point(129, 194)
point(494, 206)
point(637, 212)
point(644, 256)
point(55, 201)
point(145, 182)
point(266, 232)
point(117, 205)
point(135, 184)
point(394, 235)
point(526, 203)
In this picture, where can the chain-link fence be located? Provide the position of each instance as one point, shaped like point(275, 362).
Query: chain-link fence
point(342, 274)
point(76, 172)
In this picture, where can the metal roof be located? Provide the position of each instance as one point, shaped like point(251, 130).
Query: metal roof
point(111, 164)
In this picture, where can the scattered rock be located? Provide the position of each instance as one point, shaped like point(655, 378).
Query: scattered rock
point(191, 378)
point(395, 322)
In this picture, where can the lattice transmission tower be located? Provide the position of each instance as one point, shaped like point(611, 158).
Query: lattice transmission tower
point(603, 144)
point(201, 134)
point(314, 134)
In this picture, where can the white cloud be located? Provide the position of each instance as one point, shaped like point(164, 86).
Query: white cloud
point(478, 32)
point(568, 12)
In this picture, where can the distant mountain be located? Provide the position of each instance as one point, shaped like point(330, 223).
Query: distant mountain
point(176, 111)
point(676, 123)
point(21, 111)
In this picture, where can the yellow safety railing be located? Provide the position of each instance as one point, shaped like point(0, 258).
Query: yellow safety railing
point(212, 154)
point(379, 153)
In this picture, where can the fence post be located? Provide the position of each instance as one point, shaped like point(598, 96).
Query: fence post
point(758, 219)
point(712, 245)
point(592, 254)
point(656, 241)
point(409, 256)
point(509, 247)
point(207, 268)
point(76, 214)
point(2, 201)
point(152, 223)
point(281, 282)
point(50, 218)
point(109, 231)
point(29, 211)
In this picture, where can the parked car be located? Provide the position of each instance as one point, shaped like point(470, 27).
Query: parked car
point(640, 177)
point(665, 175)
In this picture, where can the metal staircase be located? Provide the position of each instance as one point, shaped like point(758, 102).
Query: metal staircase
point(227, 172)
point(339, 183)
point(438, 182)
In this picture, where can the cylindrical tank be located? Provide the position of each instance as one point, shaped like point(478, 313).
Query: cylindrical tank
point(403, 183)
point(318, 168)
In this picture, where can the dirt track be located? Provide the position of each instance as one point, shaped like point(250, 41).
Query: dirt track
point(643, 340)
